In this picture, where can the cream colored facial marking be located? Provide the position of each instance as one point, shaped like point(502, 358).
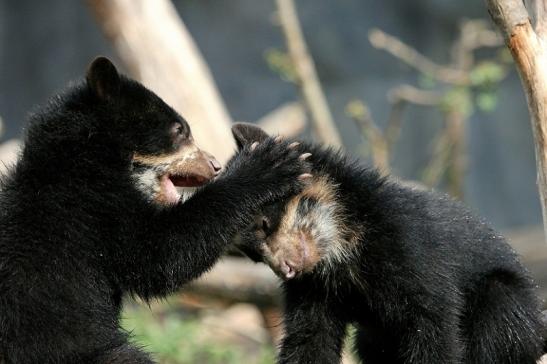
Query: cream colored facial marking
point(320, 234)
point(188, 160)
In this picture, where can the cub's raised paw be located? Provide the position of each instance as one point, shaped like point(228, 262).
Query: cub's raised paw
point(276, 165)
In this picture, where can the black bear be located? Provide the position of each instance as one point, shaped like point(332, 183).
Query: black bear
point(91, 212)
point(423, 280)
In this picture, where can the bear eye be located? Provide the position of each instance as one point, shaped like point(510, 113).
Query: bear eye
point(178, 129)
point(178, 132)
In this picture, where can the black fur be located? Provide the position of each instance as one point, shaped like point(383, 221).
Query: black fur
point(76, 235)
point(426, 282)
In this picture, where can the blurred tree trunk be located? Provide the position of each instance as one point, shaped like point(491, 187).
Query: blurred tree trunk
point(528, 45)
point(156, 48)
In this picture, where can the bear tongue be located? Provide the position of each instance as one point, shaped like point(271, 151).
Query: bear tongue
point(170, 193)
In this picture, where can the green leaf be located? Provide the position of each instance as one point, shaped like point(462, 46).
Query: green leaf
point(281, 63)
point(487, 73)
point(487, 101)
point(356, 109)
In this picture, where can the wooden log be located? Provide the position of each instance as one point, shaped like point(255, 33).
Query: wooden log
point(239, 280)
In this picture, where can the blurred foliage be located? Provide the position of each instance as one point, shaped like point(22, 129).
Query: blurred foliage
point(174, 338)
point(356, 109)
point(485, 78)
point(280, 63)
point(487, 73)
point(487, 101)
point(457, 99)
point(480, 93)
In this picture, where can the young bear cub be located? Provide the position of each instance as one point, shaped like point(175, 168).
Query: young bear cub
point(91, 213)
point(423, 279)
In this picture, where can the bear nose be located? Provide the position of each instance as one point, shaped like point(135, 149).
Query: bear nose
point(216, 165)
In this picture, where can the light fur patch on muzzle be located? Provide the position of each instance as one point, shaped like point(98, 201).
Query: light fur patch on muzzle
point(168, 179)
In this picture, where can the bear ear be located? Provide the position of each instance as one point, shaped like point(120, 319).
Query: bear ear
point(103, 78)
point(245, 133)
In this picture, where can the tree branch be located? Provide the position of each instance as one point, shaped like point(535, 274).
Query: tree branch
point(360, 114)
point(529, 50)
point(413, 58)
point(306, 74)
point(474, 34)
point(399, 97)
point(414, 95)
point(507, 14)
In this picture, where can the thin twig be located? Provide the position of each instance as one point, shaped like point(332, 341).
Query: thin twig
point(306, 74)
point(394, 124)
point(413, 58)
point(414, 95)
point(477, 33)
point(383, 141)
point(437, 166)
point(399, 97)
point(360, 114)
point(474, 34)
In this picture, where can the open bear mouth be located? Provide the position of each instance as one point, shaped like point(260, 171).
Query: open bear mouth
point(175, 187)
point(187, 180)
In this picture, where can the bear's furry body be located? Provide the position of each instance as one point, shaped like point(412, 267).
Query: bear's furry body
point(423, 279)
point(77, 234)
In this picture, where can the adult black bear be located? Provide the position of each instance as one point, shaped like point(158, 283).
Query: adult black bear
point(90, 213)
point(422, 278)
